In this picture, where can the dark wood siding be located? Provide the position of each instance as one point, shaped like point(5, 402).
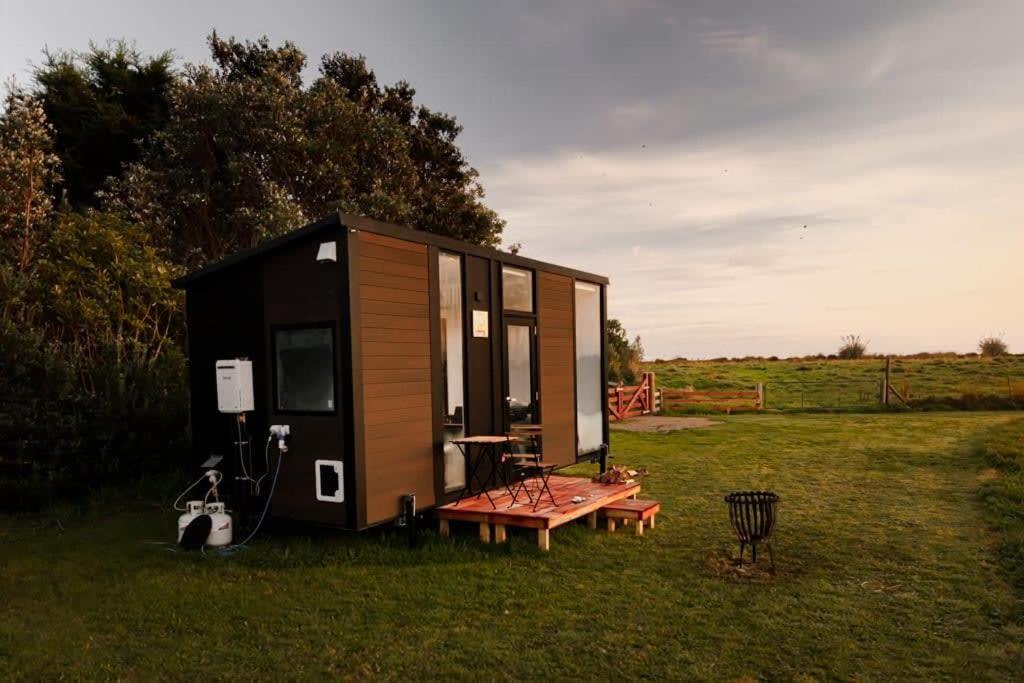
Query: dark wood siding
point(225, 320)
point(299, 292)
point(555, 331)
point(395, 374)
point(480, 384)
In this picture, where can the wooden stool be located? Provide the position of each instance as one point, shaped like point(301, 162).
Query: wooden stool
point(643, 512)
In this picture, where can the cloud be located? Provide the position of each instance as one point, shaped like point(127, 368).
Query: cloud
point(759, 47)
point(707, 249)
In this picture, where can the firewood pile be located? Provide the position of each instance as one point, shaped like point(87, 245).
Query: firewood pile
point(619, 474)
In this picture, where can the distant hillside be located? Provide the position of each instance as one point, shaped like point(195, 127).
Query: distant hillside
point(928, 380)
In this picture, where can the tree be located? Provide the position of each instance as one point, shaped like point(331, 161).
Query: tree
point(249, 153)
point(447, 198)
point(992, 346)
point(106, 292)
point(93, 372)
point(624, 357)
point(852, 347)
point(105, 105)
point(29, 171)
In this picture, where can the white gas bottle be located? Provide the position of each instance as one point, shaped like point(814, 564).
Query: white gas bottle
point(220, 529)
point(193, 509)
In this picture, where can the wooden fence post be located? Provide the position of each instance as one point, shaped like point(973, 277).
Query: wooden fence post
point(760, 395)
point(650, 393)
point(885, 381)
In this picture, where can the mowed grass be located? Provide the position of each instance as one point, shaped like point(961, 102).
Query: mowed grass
point(792, 384)
point(887, 567)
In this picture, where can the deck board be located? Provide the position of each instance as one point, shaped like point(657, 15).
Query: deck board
point(547, 516)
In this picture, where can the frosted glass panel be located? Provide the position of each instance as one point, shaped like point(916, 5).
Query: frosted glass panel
point(450, 277)
point(590, 395)
point(520, 375)
point(517, 289)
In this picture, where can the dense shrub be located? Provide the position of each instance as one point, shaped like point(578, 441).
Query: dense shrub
point(624, 356)
point(852, 347)
point(992, 347)
point(93, 377)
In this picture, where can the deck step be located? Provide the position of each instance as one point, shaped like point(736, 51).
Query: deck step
point(641, 512)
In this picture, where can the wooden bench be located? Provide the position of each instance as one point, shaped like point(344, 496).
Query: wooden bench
point(639, 511)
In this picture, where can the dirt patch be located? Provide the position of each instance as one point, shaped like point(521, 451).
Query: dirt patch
point(658, 423)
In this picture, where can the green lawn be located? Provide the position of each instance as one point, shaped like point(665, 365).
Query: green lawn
point(793, 384)
point(888, 567)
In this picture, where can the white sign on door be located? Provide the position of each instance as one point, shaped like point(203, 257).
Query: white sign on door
point(480, 322)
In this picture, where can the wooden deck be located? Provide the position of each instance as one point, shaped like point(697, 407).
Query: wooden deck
point(546, 517)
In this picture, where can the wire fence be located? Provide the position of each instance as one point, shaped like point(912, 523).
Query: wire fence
point(792, 395)
point(866, 395)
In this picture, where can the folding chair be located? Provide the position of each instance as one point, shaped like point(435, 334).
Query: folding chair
point(529, 466)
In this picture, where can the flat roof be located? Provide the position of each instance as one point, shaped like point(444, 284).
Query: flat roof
point(340, 219)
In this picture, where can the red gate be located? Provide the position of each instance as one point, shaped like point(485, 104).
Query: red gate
point(632, 401)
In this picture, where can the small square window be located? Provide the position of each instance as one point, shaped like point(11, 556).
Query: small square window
point(304, 369)
point(517, 289)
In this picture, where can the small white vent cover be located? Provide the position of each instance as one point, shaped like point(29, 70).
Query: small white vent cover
point(330, 481)
point(328, 251)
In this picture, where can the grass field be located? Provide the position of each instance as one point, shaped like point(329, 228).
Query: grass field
point(895, 550)
point(792, 384)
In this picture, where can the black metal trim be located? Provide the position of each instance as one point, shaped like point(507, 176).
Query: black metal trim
point(380, 228)
point(444, 496)
point(358, 408)
point(604, 372)
point(347, 418)
point(533, 291)
point(575, 377)
point(496, 327)
point(313, 325)
point(531, 323)
point(246, 254)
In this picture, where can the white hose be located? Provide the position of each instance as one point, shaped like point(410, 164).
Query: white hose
point(241, 453)
point(192, 486)
point(266, 464)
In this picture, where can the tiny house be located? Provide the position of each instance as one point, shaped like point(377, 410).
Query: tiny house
point(378, 345)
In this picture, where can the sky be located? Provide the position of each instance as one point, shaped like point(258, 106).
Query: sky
point(755, 178)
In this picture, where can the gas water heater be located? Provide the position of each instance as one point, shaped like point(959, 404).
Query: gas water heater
point(234, 386)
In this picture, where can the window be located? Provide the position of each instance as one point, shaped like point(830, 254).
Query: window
point(517, 289)
point(521, 398)
point(450, 276)
point(304, 369)
point(589, 393)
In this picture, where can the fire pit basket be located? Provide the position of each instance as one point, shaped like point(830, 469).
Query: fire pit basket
point(752, 514)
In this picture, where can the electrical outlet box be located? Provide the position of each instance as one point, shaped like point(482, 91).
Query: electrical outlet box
point(234, 386)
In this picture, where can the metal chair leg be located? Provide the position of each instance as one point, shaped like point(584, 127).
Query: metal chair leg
point(521, 488)
point(544, 487)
